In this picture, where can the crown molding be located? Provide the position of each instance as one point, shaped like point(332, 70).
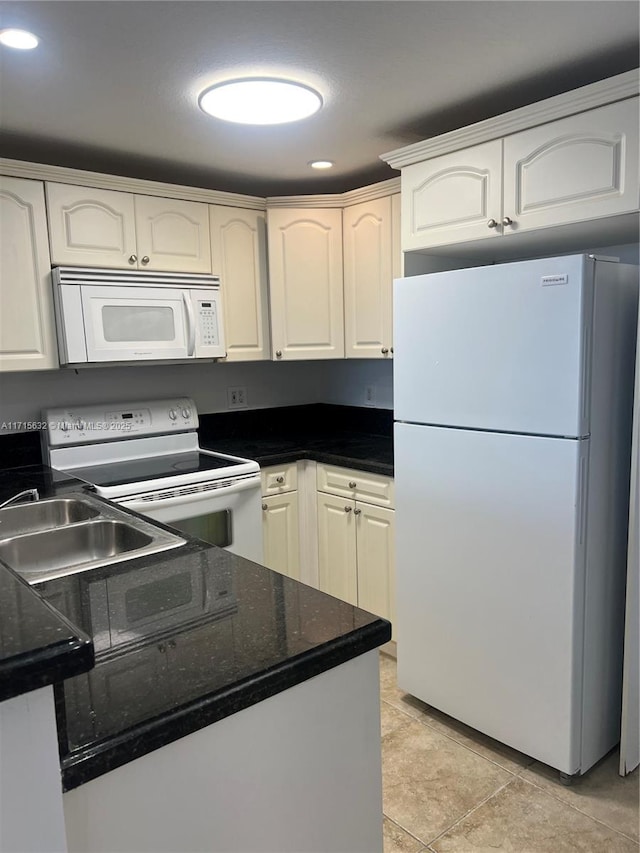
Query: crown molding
point(569, 103)
point(346, 199)
point(63, 175)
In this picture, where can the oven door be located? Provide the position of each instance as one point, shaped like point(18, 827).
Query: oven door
point(132, 323)
point(228, 515)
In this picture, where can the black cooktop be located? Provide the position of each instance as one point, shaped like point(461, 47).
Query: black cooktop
point(153, 468)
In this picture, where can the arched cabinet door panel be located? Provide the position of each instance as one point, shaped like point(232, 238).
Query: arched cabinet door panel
point(453, 198)
point(172, 234)
point(27, 327)
point(305, 280)
point(91, 227)
point(578, 168)
point(239, 257)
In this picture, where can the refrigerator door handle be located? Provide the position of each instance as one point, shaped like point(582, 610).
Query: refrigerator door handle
point(582, 499)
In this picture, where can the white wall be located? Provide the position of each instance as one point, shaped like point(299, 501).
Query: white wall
point(24, 395)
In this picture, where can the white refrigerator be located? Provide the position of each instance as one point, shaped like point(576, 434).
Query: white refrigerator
point(513, 388)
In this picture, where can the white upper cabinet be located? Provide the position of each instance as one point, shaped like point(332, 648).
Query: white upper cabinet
point(108, 228)
point(172, 234)
point(239, 257)
point(581, 167)
point(27, 328)
point(91, 227)
point(453, 198)
point(306, 290)
point(368, 278)
point(576, 169)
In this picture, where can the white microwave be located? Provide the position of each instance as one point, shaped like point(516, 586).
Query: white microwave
point(106, 315)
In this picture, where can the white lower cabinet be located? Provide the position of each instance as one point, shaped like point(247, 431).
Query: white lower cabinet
point(356, 541)
point(280, 520)
point(280, 534)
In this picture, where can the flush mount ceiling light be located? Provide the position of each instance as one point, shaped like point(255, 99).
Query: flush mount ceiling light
point(260, 101)
point(321, 164)
point(19, 39)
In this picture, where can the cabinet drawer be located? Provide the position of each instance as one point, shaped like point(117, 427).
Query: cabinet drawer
point(279, 478)
point(358, 485)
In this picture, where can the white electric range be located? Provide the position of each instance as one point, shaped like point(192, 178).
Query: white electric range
point(146, 456)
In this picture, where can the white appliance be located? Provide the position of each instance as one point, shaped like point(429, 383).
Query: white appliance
point(146, 456)
point(105, 315)
point(513, 393)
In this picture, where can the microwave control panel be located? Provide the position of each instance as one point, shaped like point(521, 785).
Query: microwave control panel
point(111, 422)
point(208, 323)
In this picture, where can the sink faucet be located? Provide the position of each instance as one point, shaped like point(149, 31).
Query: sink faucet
point(25, 494)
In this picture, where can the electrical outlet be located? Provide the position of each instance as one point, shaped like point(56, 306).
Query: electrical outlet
point(237, 397)
point(369, 395)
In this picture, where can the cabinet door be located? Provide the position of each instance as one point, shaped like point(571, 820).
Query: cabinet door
point(453, 198)
point(239, 257)
point(337, 573)
point(280, 531)
point(305, 275)
point(27, 327)
point(368, 270)
point(90, 227)
point(172, 234)
point(376, 560)
point(574, 169)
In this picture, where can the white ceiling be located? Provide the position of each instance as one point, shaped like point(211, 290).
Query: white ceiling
point(113, 86)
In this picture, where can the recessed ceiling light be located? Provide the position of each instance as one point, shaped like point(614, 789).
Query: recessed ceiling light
point(20, 39)
point(321, 164)
point(260, 101)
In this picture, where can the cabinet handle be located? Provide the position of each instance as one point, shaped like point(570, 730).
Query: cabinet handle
point(265, 506)
point(279, 479)
point(357, 511)
point(145, 259)
point(347, 509)
point(384, 350)
point(172, 644)
point(352, 484)
point(507, 221)
point(278, 353)
point(492, 223)
point(133, 259)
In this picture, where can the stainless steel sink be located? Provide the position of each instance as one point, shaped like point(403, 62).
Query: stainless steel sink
point(62, 536)
point(44, 515)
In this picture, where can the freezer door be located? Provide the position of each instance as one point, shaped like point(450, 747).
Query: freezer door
point(501, 347)
point(490, 585)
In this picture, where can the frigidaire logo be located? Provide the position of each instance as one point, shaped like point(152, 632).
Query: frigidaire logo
point(548, 280)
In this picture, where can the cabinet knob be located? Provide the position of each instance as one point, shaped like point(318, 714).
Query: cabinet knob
point(392, 349)
point(347, 509)
point(279, 479)
point(507, 221)
point(161, 647)
point(352, 484)
point(265, 506)
point(384, 350)
point(278, 353)
point(492, 223)
point(357, 511)
point(133, 259)
point(145, 259)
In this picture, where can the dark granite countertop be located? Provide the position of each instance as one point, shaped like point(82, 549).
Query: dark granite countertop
point(182, 639)
point(349, 436)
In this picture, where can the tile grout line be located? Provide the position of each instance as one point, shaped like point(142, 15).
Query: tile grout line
point(580, 811)
point(464, 745)
point(471, 811)
point(402, 828)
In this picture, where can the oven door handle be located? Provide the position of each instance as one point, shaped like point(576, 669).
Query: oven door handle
point(135, 503)
point(191, 326)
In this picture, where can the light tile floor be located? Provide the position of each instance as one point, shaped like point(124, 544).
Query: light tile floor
point(449, 789)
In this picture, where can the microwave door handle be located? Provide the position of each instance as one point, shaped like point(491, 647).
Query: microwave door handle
point(191, 326)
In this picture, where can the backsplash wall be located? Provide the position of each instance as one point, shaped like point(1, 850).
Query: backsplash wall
point(24, 395)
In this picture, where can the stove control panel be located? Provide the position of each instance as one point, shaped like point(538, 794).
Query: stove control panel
point(118, 421)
